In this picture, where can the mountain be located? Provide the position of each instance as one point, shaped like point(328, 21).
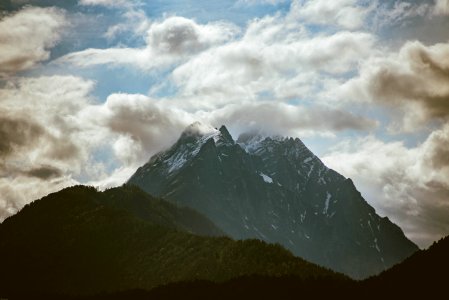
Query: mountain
point(276, 190)
point(159, 212)
point(83, 242)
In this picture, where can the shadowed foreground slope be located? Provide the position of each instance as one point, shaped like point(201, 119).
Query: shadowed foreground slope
point(80, 241)
point(423, 275)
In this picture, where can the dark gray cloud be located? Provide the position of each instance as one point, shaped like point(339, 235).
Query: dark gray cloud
point(44, 172)
point(18, 133)
point(418, 76)
point(143, 126)
point(430, 223)
point(63, 148)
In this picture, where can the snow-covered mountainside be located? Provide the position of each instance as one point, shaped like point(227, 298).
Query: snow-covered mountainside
point(277, 190)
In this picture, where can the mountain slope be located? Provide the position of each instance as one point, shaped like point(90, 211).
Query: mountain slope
point(160, 212)
point(276, 190)
point(80, 241)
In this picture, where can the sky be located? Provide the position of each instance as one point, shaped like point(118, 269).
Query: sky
point(90, 89)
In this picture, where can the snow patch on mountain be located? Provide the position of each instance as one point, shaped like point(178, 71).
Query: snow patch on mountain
point(376, 245)
point(311, 170)
point(176, 161)
point(266, 178)
point(303, 216)
point(179, 155)
point(326, 203)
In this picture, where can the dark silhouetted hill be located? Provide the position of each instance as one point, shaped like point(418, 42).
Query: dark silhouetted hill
point(425, 273)
point(83, 242)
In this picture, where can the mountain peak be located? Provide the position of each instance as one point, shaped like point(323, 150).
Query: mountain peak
point(255, 140)
point(225, 136)
point(225, 131)
point(203, 132)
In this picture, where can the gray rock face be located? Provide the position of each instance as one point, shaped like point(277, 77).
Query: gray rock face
point(277, 190)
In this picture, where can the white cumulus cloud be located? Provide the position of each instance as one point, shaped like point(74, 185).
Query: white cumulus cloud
point(276, 56)
point(168, 42)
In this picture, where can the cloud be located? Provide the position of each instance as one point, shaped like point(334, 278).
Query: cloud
point(44, 172)
point(410, 185)
point(135, 23)
point(27, 36)
point(415, 81)
point(276, 56)
point(107, 3)
point(284, 119)
point(177, 35)
point(132, 22)
point(16, 133)
point(141, 125)
point(347, 14)
point(399, 13)
point(441, 7)
point(437, 150)
point(168, 42)
point(255, 2)
point(131, 128)
point(40, 146)
point(41, 110)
